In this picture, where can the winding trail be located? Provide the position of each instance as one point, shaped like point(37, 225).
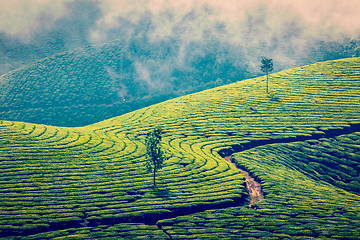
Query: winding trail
point(253, 187)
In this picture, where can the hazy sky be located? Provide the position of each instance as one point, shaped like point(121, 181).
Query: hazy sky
point(21, 17)
point(285, 30)
point(291, 32)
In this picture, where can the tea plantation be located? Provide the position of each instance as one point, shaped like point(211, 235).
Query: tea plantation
point(87, 85)
point(60, 89)
point(301, 142)
point(299, 201)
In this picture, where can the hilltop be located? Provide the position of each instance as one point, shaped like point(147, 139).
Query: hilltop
point(301, 142)
point(94, 83)
point(97, 82)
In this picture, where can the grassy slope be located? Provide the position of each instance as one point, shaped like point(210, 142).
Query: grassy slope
point(61, 89)
point(52, 177)
point(298, 202)
point(94, 83)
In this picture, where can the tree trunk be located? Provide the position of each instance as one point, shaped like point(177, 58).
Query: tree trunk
point(267, 82)
point(154, 179)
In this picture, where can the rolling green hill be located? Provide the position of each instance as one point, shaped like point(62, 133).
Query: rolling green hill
point(301, 141)
point(299, 201)
point(94, 83)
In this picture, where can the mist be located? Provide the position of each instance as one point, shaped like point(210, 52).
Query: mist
point(164, 37)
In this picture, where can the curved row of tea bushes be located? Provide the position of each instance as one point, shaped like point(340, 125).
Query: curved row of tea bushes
point(93, 83)
point(335, 160)
point(117, 231)
point(73, 88)
point(55, 178)
point(298, 202)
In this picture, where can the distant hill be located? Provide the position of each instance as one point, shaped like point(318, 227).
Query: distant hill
point(97, 82)
point(301, 142)
point(94, 83)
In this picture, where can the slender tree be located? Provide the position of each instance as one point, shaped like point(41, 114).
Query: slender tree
point(266, 67)
point(155, 156)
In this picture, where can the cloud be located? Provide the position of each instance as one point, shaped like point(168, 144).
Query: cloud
point(117, 85)
point(23, 17)
point(143, 74)
point(320, 13)
point(325, 13)
point(282, 29)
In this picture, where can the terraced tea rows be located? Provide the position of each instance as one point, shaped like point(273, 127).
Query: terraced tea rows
point(54, 179)
point(48, 91)
point(298, 203)
point(94, 83)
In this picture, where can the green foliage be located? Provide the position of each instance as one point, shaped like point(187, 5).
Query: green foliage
point(117, 231)
point(155, 155)
point(267, 66)
point(331, 50)
point(90, 84)
point(298, 204)
point(92, 177)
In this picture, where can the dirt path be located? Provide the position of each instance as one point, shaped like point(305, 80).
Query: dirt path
point(254, 188)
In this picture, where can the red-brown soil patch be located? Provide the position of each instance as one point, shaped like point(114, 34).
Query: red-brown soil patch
point(253, 187)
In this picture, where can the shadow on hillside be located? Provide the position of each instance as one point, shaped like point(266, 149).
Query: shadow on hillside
point(162, 193)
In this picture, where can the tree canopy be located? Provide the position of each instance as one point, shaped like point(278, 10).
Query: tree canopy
point(155, 155)
point(267, 66)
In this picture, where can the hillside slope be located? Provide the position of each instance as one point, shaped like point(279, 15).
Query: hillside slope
point(55, 178)
point(94, 83)
point(299, 201)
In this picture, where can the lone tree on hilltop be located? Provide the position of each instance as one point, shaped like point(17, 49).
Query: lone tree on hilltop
point(266, 67)
point(155, 156)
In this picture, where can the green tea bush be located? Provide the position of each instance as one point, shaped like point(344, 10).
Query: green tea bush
point(93, 176)
point(299, 203)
